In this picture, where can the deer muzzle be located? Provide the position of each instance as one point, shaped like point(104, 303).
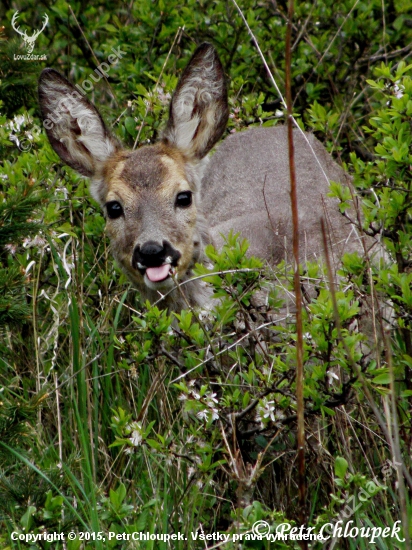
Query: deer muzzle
point(156, 262)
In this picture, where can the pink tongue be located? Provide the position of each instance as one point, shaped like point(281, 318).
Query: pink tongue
point(156, 274)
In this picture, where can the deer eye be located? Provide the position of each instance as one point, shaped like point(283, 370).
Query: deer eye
point(184, 199)
point(114, 209)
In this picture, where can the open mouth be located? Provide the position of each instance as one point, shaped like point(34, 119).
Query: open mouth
point(156, 263)
point(158, 274)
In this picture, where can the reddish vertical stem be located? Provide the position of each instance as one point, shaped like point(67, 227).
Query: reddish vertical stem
point(298, 293)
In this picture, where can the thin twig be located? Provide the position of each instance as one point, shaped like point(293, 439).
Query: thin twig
point(396, 449)
point(198, 277)
point(296, 279)
point(177, 37)
point(385, 56)
point(93, 54)
point(224, 350)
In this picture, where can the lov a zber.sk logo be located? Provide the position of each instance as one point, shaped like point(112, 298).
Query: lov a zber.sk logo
point(29, 41)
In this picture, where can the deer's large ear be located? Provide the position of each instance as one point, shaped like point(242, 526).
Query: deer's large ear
point(198, 111)
point(74, 127)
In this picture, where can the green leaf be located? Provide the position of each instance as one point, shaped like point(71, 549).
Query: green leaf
point(117, 496)
point(27, 518)
point(341, 467)
point(66, 228)
point(130, 125)
point(382, 379)
point(154, 444)
point(110, 28)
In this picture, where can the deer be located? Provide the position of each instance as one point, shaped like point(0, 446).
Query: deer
point(164, 202)
point(29, 40)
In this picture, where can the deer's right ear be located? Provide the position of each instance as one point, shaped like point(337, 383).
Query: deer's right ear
point(74, 127)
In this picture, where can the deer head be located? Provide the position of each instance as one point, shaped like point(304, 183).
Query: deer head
point(29, 40)
point(150, 197)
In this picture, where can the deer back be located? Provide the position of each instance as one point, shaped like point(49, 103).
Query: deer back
point(246, 188)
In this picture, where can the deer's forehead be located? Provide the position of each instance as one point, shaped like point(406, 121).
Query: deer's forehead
point(150, 168)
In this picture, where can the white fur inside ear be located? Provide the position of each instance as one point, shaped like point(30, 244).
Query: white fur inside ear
point(185, 133)
point(199, 108)
point(75, 123)
point(183, 107)
point(184, 103)
point(92, 133)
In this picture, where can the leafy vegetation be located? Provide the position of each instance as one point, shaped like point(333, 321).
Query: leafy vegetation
point(118, 417)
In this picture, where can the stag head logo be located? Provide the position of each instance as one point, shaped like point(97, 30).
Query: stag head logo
point(28, 40)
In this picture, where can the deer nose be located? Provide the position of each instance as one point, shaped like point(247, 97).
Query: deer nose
point(153, 254)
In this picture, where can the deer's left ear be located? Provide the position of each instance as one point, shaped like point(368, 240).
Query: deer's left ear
point(74, 127)
point(198, 111)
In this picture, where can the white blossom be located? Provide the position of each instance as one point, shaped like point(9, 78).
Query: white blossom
point(136, 438)
point(332, 376)
point(203, 415)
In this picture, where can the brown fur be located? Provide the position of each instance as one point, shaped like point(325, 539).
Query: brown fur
point(146, 183)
